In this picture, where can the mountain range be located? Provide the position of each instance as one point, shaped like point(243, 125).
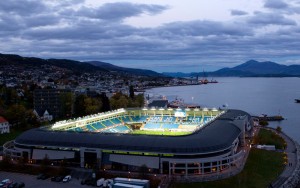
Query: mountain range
point(75, 66)
point(251, 68)
point(112, 67)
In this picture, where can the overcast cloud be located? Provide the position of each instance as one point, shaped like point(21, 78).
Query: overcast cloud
point(79, 30)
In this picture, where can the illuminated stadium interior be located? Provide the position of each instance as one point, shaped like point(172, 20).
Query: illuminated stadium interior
point(190, 142)
point(142, 121)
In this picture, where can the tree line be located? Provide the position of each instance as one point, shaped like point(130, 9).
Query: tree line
point(17, 107)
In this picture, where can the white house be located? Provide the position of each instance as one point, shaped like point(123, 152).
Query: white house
point(44, 117)
point(4, 126)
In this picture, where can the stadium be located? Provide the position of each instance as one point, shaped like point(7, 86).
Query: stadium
point(184, 142)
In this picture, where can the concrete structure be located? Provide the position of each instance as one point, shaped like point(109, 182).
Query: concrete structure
point(215, 145)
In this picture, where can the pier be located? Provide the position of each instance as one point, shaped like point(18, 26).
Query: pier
point(269, 118)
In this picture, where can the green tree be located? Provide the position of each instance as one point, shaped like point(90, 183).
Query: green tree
point(140, 100)
point(67, 100)
point(278, 129)
point(105, 103)
point(263, 123)
point(92, 105)
point(131, 92)
point(143, 171)
point(119, 101)
point(79, 106)
point(16, 115)
point(45, 164)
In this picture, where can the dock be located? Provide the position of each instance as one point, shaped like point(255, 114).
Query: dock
point(269, 118)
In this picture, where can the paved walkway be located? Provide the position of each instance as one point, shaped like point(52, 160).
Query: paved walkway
point(292, 160)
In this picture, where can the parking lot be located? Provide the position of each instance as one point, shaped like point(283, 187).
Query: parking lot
point(32, 182)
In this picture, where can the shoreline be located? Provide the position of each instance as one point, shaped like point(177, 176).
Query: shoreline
point(290, 176)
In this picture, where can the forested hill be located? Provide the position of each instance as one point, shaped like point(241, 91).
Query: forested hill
point(72, 65)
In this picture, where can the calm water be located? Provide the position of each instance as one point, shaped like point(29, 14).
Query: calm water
point(257, 96)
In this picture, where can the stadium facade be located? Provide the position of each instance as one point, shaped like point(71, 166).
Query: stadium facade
point(188, 142)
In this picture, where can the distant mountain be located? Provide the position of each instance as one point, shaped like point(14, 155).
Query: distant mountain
point(112, 67)
point(76, 66)
point(251, 68)
point(177, 74)
point(255, 68)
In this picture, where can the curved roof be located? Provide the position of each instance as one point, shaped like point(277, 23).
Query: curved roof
point(217, 136)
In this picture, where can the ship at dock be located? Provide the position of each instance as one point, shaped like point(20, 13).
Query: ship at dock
point(204, 80)
point(179, 103)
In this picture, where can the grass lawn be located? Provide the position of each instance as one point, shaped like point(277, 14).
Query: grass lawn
point(262, 167)
point(9, 136)
point(268, 137)
point(166, 133)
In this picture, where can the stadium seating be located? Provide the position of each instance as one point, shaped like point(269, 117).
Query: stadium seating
point(152, 126)
point(168, 119)
point(89, 127)
point(108, 123)
point(115, 121)
point(122, 128)
point(115, 125)
point(98, 125)
point(170, 126)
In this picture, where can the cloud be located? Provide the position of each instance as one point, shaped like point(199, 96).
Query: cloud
point(238, 13)
point(273, 18)
point(203, 28)
point(64, 29)
point(119, 10)
point(24, 8)
point(275, 4)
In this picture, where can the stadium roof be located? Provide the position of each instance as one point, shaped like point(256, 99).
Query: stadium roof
point(217, 136)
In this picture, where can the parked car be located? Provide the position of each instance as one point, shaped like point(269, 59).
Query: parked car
point(67, 178)
point(57, 178)
point(16, 185)
point(13, 185)
point(89, 181)
point(42, 176)
point(5, 183)
point(21, 185)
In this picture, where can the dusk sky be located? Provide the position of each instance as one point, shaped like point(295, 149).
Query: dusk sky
point(161, 35)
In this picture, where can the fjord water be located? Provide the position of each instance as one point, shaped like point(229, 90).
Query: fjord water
point(257, 96)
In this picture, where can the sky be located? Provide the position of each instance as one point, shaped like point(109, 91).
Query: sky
point(160, 35)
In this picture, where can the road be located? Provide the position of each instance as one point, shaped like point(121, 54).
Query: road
point(32, 182)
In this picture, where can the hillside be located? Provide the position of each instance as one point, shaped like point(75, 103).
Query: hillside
point(251, 68)
point(75, 66)
point(112, 67)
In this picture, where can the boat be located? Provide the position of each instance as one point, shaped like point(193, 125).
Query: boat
point(204, 79)
point(297, 100)
point(179, 103)
point(213, 81)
